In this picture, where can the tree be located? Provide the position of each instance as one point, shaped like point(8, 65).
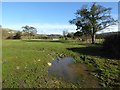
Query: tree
point(90, 20)
point(65, 32)
point(70, 35)
point(18, 35)
point(78, 34)
point(29, 30)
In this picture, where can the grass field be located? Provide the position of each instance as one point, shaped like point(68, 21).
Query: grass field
point(25, 63)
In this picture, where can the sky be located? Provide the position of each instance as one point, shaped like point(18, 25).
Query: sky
point(47, 17)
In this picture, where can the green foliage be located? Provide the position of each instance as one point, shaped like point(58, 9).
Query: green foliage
point(18, 35)
point(29, 31)
point(112, 45)
point(70, 35)
point(92, 19)
point(78, 34)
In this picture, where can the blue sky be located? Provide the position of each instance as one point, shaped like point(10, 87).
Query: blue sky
point(47, 17)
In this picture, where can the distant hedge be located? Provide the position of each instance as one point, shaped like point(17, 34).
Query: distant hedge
point(112, 45)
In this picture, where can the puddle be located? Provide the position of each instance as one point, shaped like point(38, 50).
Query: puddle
point(73, 72)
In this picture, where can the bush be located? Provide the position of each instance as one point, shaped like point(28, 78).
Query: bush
point(10, 37)
point(112, 45)
point(18, 35)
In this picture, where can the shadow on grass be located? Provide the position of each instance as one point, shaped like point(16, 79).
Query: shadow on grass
point(89, 49)
point(93, 50)
point(36, 40)
point(56, 41)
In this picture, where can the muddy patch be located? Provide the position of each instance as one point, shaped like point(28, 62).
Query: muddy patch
point(74, 72)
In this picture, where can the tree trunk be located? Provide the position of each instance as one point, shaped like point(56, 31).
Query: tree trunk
point(93, 35)
point(93, 39)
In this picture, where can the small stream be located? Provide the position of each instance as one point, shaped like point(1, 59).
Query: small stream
point(74, 72)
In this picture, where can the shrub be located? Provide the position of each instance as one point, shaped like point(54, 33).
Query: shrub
point(10, 37)
point(112, 45)
point(18, 35)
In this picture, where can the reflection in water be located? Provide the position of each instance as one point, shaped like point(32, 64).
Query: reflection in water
point(74, 72)
point(60, 67)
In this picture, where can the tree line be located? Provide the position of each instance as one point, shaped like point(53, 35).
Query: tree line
point(88, 20)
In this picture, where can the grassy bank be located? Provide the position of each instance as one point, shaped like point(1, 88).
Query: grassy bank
point(25, 63)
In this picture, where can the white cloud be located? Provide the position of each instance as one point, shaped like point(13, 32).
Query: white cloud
point(57, 28)
point(45, 28)
point(113, 28)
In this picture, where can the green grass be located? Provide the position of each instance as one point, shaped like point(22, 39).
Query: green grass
point(25, 63)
